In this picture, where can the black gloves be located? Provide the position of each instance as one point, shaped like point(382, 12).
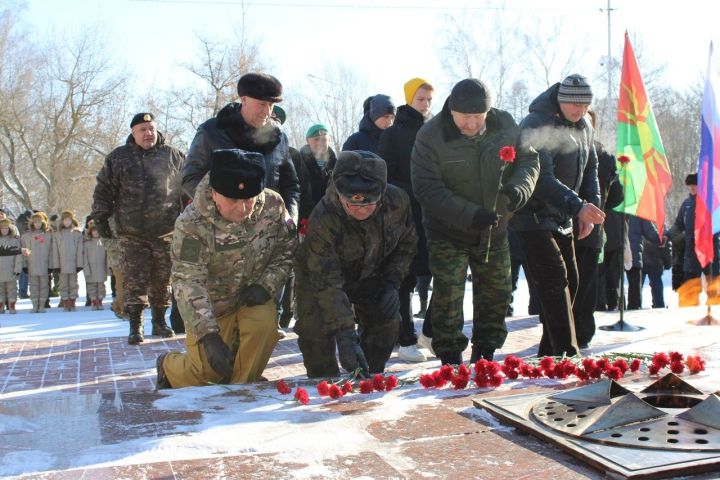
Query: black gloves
point(7, 251)
point(78, 269)
point(219, 356)
point(513, 196)
point(253, 295)
point(350, 351)
point(103, 228)
point(389, 300)
point(484, 219)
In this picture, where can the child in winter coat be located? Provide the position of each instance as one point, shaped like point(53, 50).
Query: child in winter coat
point(38, 242)
point(10, 267)
point(68, 258)
point(96, 267)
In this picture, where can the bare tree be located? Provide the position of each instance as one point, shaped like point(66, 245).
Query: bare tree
point(335, 99)
point(61, 123)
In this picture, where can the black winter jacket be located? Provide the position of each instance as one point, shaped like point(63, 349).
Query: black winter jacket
point(396, 144)
point(568, 167)
point(313, 179)
point(229, 130)
point(453, 176)
point(366, 138)
point(140, 189)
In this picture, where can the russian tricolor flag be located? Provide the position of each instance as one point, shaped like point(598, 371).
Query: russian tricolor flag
point(707, 206)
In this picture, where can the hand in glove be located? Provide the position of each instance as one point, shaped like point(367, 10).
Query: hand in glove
point(484, 218)
point(219, 356)
point(103, 228)
point(253, 295)
point(7, 250)
point(513, 196)
point(389, 300)
point(350, 351)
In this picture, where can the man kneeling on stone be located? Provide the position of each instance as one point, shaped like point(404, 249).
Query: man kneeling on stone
point(231, 251)
point(359, 244)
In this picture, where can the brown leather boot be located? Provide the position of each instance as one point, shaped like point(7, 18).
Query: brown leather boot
point(2, 308)
point(12, 308)
point(71, 307)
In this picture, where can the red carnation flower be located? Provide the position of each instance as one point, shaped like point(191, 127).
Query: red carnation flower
point(366, 386)
point(496, 380)
point(614, 373)
point(507, 154)
point(653, 369)
point(283, 387)
point(323, 388)
point(677, 367)
point(635, 365)
point(447, 372)
point(301, 395)
point(438, 379)
point(347, 387)
point(623, 159)
point(621, 364)
point(695, 364)
point(547, 363)
point(482, 381)
point(511, 374)
point(335, 391)
point(582, 374)
point(526, 370)
point(460, 383)
point(481, 365)
point(603, 364)
point(676, 357)
point(512, 361)
point(426, 380)
point(463, 371)
point(661, 360)
point(595, 372)
point(390, 382)
point(536, 372)
point(492, 368)
point(378, 383)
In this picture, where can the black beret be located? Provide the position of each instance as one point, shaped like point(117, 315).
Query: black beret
point(260, 86)
point(360, 176)
point(237, 174)
point(691, 179)
point(141, 118)
point(470, 96)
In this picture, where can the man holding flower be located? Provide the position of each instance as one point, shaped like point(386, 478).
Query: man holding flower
point(467, 190)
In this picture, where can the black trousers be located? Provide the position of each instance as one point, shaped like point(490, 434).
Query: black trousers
point(587, 293)
point(550, 258)
point(406, 333)
point(609, 279)
point(634, 279)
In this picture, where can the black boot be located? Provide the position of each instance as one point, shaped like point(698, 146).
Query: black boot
point(451, 358)
point(159, 327)
point(479, 352)
point(423, 309)
point(162, 380)
point(135, 314)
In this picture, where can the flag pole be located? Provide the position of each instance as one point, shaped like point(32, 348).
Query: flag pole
point(621, 325)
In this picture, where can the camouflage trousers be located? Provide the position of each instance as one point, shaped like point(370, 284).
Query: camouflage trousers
point(8, 291)
point(96, 290)
point(491, 295)
point(68, 285)
point(377, 333)
point(250, 332)
point(145, 266)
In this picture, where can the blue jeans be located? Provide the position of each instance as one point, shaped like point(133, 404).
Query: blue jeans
point(23, 290)
point(656, 287)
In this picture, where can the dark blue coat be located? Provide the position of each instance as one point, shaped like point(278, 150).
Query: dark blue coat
point(366, 138)
point(639, 229)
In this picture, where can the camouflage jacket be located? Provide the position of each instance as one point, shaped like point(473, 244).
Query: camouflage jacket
point(140, 189)
point(343, 261)
point(214, 260)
